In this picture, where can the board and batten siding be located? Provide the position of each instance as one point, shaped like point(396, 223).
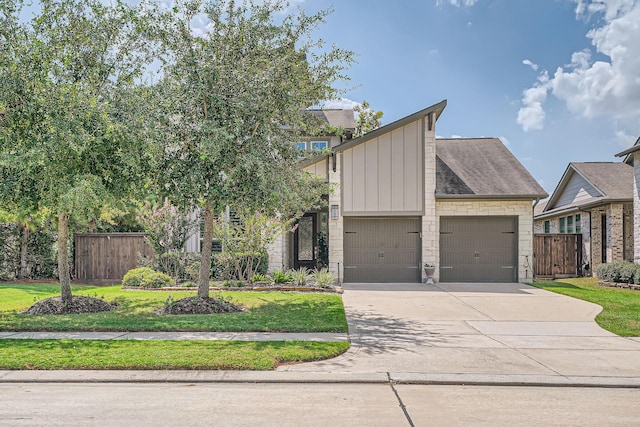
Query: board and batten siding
point(576, 190)
point(384, 176)
point(319, 169)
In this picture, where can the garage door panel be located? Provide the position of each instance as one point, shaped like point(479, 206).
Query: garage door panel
point(382, 250)
point(478, 249)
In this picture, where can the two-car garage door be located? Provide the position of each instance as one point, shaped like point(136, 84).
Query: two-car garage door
point(472, 249)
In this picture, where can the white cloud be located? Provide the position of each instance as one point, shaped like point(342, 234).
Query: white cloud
point(457, 3)
point(533, 66)
point(591, 88)
point(340, 104)
point(531, 115)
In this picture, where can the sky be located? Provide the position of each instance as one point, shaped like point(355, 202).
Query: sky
point(557, 80)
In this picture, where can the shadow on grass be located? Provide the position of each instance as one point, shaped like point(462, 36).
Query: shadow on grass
point(548, 284)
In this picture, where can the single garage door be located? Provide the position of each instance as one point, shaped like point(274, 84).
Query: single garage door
point(382, 250)
point(478, 249)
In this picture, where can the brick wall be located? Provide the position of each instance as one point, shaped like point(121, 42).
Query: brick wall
point(523, 209)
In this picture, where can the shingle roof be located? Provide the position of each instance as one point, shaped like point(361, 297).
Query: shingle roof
point(338, 118)
point(481, 167)
point(614, 180)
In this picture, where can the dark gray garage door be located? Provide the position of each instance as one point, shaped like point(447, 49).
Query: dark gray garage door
point(478, 249)
point(382, 250)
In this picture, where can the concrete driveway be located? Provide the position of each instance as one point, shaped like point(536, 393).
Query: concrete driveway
point(414, 331)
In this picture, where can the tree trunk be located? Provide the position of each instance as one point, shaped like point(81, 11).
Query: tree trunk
point(205, 252)
point(63, 258)
point(24, 246)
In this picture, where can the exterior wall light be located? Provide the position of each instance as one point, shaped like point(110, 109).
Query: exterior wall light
point(335, 211)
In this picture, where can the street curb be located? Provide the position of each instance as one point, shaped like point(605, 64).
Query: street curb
point(285, 377)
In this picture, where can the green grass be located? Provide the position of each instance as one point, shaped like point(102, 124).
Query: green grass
point(268, 312)
point(620, 307)
point(94, 354)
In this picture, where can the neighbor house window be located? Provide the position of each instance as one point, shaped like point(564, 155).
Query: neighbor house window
point(301, 145)
point(570, 224)
point(319, 145)
point(563, 229)
point(578, 223)
point(547, 227)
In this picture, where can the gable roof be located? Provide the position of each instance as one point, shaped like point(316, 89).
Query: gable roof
point(337, 118)
point(627, 153)
point(609, 182)
point(482, 168)
point(435, 108)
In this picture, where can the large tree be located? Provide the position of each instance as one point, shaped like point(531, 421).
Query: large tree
point(68, 123)
point(232, 103)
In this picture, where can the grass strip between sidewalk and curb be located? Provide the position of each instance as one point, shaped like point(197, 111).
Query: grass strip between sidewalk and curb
point(620, 307)
point(18, 354)
point(267, 311)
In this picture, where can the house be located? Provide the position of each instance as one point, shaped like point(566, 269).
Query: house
point(594, 200)
point(405, 198)
point(632, 157)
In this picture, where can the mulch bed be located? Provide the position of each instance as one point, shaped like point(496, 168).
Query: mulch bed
point(78, 305)
point(620, 285)
point(198, 305)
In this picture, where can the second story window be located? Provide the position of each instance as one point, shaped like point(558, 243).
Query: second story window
point(313, 145)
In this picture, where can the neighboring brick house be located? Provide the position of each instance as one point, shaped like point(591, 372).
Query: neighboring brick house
point(595, 200)
point(632, 157)
point(404, 198)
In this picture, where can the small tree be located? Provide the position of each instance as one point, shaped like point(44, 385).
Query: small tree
point(68, 134)
point(168, 228)
point(231, 105)
point(245, 241)
point(367, 119)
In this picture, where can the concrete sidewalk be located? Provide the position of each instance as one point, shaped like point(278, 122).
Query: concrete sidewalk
point(203, 336)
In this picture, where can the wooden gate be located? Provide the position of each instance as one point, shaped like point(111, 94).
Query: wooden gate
point(106, 257)
point(557, 255)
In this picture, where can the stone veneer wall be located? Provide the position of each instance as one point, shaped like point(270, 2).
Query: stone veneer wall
point(336, 228)
point(430, 224)
point(618, 246)
point(277, 254)
point(523, 209)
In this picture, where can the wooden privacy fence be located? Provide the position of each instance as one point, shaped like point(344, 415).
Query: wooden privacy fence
point(557, 255)
point(106, 257)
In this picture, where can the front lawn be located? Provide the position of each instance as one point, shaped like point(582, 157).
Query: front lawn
point(268, 311)
point(620, 307)
point(93, 354)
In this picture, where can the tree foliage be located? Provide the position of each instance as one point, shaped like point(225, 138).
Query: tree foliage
point(67, 140)
point(231, 104)
point(367, 119)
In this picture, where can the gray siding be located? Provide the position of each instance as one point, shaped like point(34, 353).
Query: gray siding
point(384, 175)
point(577, 190)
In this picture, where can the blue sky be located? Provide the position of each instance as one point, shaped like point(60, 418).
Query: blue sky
point(557, 80)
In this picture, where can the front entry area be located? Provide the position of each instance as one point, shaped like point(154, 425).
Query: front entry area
point(479, 249)
point(382, 250)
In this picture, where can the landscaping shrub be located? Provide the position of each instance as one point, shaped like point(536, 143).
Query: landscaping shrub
point(145, 277)
point(619, 272)
point(258, 277)
point(280, 276)
point(299, 276)
point(627, 272)
point(323, 278)
point(240, 265)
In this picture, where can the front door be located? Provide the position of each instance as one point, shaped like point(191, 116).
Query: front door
point(304, 242)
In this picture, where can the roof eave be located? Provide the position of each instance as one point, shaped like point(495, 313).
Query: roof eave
point(582, 207)
point(436, 108)
point(492, 196)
